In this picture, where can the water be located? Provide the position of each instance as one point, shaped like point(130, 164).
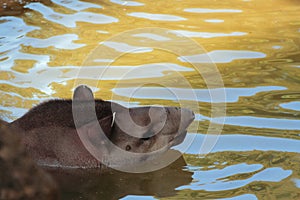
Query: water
point(255, 46)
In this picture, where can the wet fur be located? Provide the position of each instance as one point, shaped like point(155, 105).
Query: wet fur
point(58, 112)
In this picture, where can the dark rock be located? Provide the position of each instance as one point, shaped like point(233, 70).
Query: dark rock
point(16, 7)
point(20, 177)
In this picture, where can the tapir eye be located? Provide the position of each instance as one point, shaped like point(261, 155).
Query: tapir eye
point(147, 136)
point(145, 139)
point(128, 148)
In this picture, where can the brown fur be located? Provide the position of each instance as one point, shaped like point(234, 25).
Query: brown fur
point(59, 113)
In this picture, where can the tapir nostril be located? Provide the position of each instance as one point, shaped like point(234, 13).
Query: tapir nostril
point(187, 113)
point(193, 115)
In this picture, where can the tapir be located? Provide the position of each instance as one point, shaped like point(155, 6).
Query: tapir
point(84, 132)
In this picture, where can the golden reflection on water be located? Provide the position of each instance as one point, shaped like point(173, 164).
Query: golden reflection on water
point(255, 45)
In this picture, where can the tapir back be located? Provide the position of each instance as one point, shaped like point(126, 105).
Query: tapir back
point(58, 147)
point(59, 113)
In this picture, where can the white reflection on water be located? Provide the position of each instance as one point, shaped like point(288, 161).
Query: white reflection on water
point(214, 20)
point(158, 17)
point(124, 47)
point(13, 28)
point(76, 5)
point(216, 179)
point(206, 34)
point(152, 36)
point(60, 41)
point(69, 20)
point(207, 10)
point(222, 56)
point(41, 60)
point(41, 78)
point(203, 95)
point(236, 142)
point(123, 72)
point(127, 3)
point(12, 34)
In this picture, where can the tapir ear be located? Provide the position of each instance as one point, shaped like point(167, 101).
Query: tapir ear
point(93, 130)
point(106, 124)
point(83, 92)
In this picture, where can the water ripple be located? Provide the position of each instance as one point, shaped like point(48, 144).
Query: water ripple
point(126, 48)
point(13, 30)
point(242, 197)
point(41, 78)
point(127, 3)
point(238, 143)
point(138, 197)
point(257, 122)
point(222, 56)
point(206, 34)
point(69, 20)
point(41, 52)
point(295, 105)
point(152, 36)
point(201, 95)
point(60, 41)
point(76, 5)
point(207, 10)
point(297, 182)
point(215, 180)
point(214, 20)
point(156, 17)
point(8, 63)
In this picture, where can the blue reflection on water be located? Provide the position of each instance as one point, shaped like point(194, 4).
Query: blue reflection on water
point(218, 179)
point(127, 3)
point(295, 105)
point(202, 95)
point(237, 142)
point(222, 56)
point(125, 48)
point(152, 36)
point(69, 20)
point(242, 197)
point(256, 122)
point(137, 197)
point(59, 41)
point(76, 5)
point(297, 182)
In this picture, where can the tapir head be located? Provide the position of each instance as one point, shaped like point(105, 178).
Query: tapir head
point(138, 130)
point(148, 129)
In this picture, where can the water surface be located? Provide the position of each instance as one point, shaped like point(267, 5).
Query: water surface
point(254, 44)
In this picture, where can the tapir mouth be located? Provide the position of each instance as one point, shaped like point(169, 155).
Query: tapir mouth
point(178, 139)
point(188, 117)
